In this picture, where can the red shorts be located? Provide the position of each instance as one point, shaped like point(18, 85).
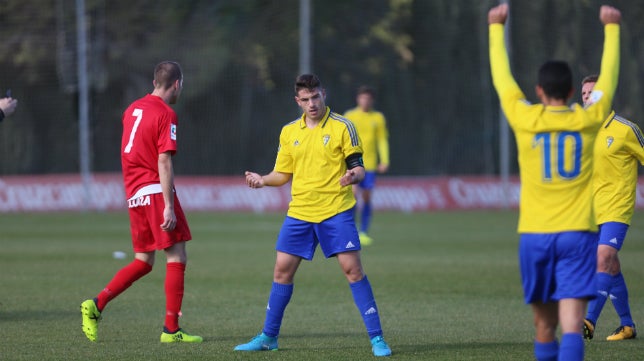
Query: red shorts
point(146, 217)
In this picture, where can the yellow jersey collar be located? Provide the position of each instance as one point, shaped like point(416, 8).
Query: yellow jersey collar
point(322, 122)
point(558, 108)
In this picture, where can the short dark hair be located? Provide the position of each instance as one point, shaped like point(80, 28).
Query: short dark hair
point(166, 73)
point(555, 78)
point(590, 79)
point(307, 81)
point(365, 89)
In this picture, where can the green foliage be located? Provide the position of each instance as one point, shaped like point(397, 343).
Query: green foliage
point(427, 59)
point(447, 286)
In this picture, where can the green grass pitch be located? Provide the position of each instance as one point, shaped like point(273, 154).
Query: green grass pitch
point(447, 286)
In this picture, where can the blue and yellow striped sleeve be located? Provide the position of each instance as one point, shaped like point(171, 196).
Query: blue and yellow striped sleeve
point(601, 98)
point(635, 142)
point(351, 143)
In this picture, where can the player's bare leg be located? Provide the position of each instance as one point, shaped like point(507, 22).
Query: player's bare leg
point(351, 266)
point(607, 260)
point(546, 318)
point(365, 302)
point(286, 266)
point(571, 316)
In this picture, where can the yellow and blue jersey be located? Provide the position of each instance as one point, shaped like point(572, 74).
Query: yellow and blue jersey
point(555, 143)
point(372, 128)
point(316, 159)
point(618, 149)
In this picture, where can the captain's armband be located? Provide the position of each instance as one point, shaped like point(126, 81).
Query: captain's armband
point(354, 160)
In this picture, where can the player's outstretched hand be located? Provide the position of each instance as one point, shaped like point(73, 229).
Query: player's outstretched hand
point(609, 15)
point(348, 178)
point(169, 220)
point(254, 180)
point(498, 14)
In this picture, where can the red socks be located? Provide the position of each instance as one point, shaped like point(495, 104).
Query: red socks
point(173, 294)
point(121, 281)
point(174, 280)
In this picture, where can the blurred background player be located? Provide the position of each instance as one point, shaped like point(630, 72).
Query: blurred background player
point(557, 248)
point(372, 127)
point(321, 152)
point(157, 221)
point(7, 106)
point(618, 148)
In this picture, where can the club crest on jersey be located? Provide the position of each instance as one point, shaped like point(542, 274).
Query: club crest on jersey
point(609, 141)
point(595, 96)
point(173, 131)
point(138, 202)
point(325, 139)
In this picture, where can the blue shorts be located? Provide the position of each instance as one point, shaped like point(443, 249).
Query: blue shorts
point(556, 266)
point(613, 234)
point(335, 235)
point(369, 181)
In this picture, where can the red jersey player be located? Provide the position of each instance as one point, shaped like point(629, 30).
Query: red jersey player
point(156, 219)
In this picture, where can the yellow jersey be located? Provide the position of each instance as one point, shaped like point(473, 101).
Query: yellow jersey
point(618, 148)
point(316, 159)
point(372, 128)
point(555, 143)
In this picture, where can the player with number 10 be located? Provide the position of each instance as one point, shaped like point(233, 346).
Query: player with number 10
point(557, 248)
point(157, 221)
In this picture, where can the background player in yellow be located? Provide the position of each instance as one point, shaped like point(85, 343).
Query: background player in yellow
point(618, 149)
point(557, 248)
point(372, 128)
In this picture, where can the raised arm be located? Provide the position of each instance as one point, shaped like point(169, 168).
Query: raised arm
point(504, 83)
point(601, 98)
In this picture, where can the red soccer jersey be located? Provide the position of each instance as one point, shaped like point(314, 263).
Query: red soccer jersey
point(149, 129)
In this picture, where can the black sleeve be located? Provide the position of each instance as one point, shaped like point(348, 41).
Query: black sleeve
point(354, 160)
point(1, 115)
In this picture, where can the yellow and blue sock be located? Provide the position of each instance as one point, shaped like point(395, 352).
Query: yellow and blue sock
point(277, 302)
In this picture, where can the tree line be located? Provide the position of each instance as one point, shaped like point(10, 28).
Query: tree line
point(428, 61)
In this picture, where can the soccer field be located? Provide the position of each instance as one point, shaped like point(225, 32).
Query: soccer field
point(447, 286)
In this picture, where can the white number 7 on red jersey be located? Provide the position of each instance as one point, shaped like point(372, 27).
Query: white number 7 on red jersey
point(138, 113)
